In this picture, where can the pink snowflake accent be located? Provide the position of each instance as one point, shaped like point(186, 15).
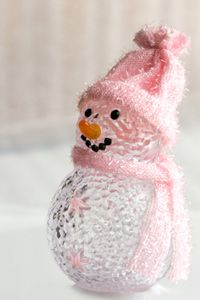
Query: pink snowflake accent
point(78, 260)
point(111, 204)
point(77, 205)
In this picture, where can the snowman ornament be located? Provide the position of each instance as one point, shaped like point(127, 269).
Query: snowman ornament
point(118, 222)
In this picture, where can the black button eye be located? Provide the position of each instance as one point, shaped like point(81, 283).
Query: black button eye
point(88, 112)
point(115, 114)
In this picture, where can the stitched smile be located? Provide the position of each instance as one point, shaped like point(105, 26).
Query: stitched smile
point(96, 148)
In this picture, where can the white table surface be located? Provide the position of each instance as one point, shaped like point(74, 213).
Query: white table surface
point(27, 268)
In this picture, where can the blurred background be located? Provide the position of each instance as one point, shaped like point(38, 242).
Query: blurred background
point(49, 51)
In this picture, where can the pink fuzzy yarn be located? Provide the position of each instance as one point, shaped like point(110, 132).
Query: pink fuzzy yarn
point(162, 38)
point(150, 80)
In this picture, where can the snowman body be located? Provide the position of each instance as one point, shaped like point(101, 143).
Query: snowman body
point(95, 226)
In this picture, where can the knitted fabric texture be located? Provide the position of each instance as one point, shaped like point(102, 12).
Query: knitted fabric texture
point(149, 80)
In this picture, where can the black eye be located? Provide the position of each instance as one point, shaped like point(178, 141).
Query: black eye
point(88, 112)
point(115, 114)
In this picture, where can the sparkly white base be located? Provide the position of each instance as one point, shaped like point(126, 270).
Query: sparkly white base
point(94, 226)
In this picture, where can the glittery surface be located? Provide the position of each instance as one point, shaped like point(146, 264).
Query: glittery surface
point(94, 241)
point(119, 221)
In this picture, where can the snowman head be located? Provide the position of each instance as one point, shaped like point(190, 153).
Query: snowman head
point(111, 129)
point(131, 112)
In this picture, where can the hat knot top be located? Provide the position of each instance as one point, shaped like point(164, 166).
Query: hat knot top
point(162, 38)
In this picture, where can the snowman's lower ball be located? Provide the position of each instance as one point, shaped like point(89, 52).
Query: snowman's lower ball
point(94, 228)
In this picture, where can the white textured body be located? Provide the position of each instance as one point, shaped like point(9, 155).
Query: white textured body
point(106, 232)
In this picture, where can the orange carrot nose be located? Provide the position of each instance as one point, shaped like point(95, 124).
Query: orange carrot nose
point(90, 130)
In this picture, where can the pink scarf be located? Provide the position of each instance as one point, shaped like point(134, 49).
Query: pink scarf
point(164, 173)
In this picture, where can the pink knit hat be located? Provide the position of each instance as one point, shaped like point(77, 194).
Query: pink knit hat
point(150, 80)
